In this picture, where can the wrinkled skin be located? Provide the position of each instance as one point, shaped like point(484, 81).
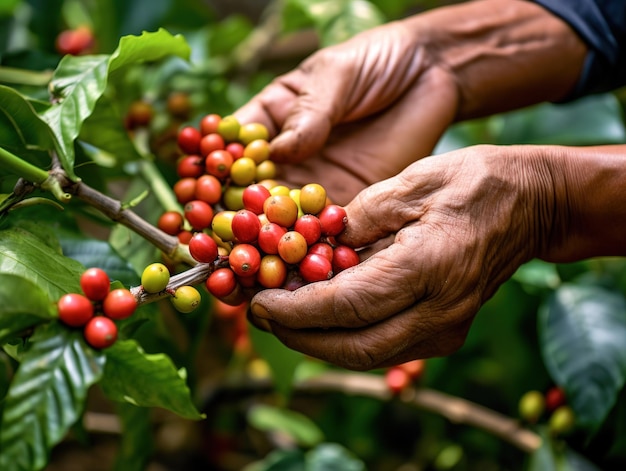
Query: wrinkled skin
point(349, 133)
point(458, 226)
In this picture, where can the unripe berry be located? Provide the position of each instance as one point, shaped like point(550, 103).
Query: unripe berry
point(531, 406)
point(186, 299)
point(562, 421)
point(155, 278)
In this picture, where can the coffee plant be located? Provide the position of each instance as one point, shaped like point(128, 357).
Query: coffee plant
point(138, 216)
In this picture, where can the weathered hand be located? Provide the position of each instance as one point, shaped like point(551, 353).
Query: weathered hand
point(460, 225)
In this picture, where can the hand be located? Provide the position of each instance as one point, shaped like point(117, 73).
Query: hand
point(374, 104)
point(460, 224)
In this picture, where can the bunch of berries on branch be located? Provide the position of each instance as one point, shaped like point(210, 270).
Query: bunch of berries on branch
point(273, 236)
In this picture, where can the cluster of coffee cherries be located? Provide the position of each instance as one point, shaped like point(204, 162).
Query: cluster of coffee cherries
point(96, 309)
point(551, 405)
point(155, 279)
point(257, 233)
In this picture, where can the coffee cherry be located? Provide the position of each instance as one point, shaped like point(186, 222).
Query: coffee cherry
point(258, 150)
point(555, 397)
point(184, 237)
point(221, 282)
point(252, 131)
point(266, 170)
point(562, 421)
point(222, 225)
point(228, 127)
point(323, 249)
point(100, 332)
point(119, 304)
point(211, 142)
point(179, 105)
point(209, 123)
point(190, 166)
point(269, 236)
point(243, 171)
point(246, 226)
point(312, 198)
point(272, 272)
point(233, 197)
point(186, 299)
point(531, 406)
point(315, 267)
point(218, 163)
point(333, 219)
point(95, 284)
point(170, 222)
point(279, 190)
point(189, 140)
point(281, 209)
point(344, 257)
point(185, 189)
point(292, 247)
point(397, 379)
point(75, 41)
point(310, 227)
point(254, 196)
point(208, 189)
point(199, 214)
point(203, 248)
point(244, 259)
point(155, 278)
point(235, 149)
point(139, 114)
point(414, 368)
point(74, 309)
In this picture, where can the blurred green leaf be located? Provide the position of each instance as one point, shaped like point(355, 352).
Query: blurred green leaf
point(146, 380)
point(228, 33)
point(24, 254)
point(282, 360)
point(557, 456)
point(538, 274)
point(19, 312)
point(136, 444)
point(79, 82)
point(279, 460)
point(297, 426)
point(332, 457)
point(583, 333)
point(47, 395)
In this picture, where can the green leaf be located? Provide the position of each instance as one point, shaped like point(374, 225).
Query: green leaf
point(47, 395)
point(557, 456)
point(22, 305)
point(24, 254)
point(80, 81)
point(146, 380)
point(332, 457)
point(582, 331)
point(136, 444)
point(299, 427)
point(20, 126)
point(282, 360)
point(279, 460)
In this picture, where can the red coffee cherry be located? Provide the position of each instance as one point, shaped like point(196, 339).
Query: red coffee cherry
point(322, 248)
point(74, 309)
point(315, 267)
point(203, 248)
point(344, 257)
point(170, 222)
point(209, 123)
point(269, 236)
point(75, 41)
point(254, 197)
point(310, 227)
point(190, 166)
point(100, 332)
point(208, 189)
point(246, 226)
point(235, 149)
point(281, 209)
point(199, 214)
point(555, 397)
point(211, 142)
point(397, 379)
point(189, 140)
point(333, 219)
point(218, 163)
point(244, 259)
point(185, 189)
point(95, 284)
point(119, 304)
point(221, 282)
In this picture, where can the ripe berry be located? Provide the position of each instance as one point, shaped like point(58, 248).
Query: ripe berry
point(186, 299)
point(310, 227)
point(246, 226)
point(312, 198)
point(189, 140)
point(531, 406)
point(292, 247)
point(218, 163)
point(203, 248)
point(244, 259)
point(333, 219)
point(179, 105)
point(184, 237)
point(170, 222)
point(139, 114)
point(155, 278)
point(74, 309)
point(414, 368)
point(185, 189)
point(190, 166)
point(344, 257)
point(208, 189)
point(221, 282)
point(95, 284)
point(119, 304)
point(315, 267)
point(199, 214)
point(555, 397)
point(269, 236)
point(235, 149)
point(281, 209)
point(272, 272)
point(323, 249)
point(75, 41)
point(100, 332)
point(397, 379)
point(211, 142)
point(254, 196)
point(208, 124)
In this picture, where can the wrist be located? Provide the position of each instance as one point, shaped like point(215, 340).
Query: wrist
point(503, 54)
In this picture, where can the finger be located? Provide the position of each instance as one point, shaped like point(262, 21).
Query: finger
point(388, 282)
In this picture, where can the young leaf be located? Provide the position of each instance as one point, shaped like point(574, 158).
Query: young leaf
point(20, 312)
point(24, 254)
point(146, 380)
point(582, 330)
point(47, 395)
point(80, 81)
point(300, 428)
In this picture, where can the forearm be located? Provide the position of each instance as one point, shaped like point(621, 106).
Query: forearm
point(589, 216)
point(503, 54)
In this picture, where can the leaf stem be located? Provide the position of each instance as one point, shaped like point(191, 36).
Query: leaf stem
point(22, 168)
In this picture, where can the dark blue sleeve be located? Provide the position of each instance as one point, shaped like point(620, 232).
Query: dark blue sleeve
point(602, 25)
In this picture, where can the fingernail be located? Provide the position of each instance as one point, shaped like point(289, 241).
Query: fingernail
point(259, 311)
